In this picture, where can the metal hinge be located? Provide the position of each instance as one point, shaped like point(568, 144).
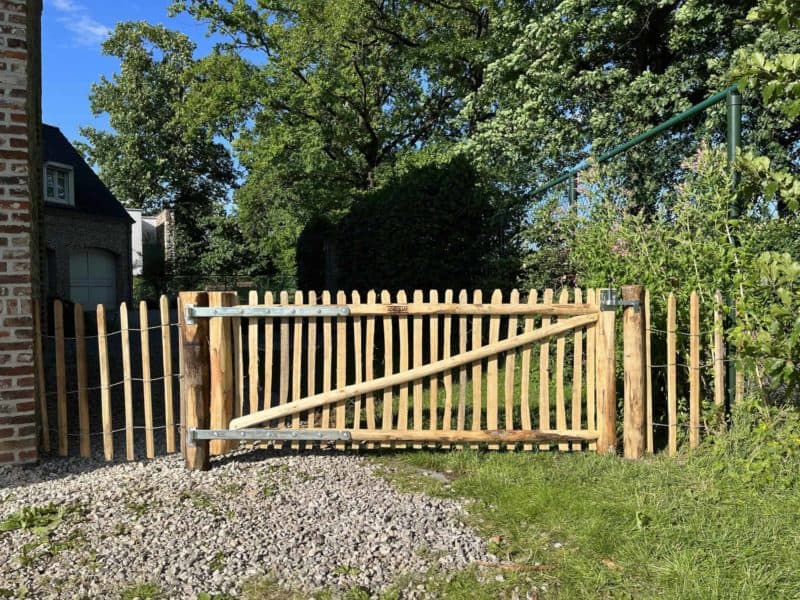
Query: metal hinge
point(308, 435)
point(610, 300)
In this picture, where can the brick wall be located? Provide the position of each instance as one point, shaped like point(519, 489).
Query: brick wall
point(20, 227)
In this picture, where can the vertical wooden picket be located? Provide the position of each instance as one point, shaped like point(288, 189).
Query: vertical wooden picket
point(61, 379)
point(605, 355)
point(416, 362)
point(477, 370)
point(369, 363)
point(402, 326)
point(311, 368)
point(433, 384)
point(357, 361)
point(341, 365)
point(223, 383)
point(252, 354)
point(105, 383)
point(577, 376)
point(166, 360)
point(269, 343)
point(127, 383)
point(510, 367)
point(147, 383)
point(447, 379)
point(283, 379)
point(492, 369)
point(591, 397)
point(238, 369)
point(44, 419)
point(694, 370)
point(561, 411)
point(719, 352)
point(83, 382)
point(327, 360)
point(462, 372)
point(525, 374)
point(297, 364)
point(635, 402)
point(648, 364)
point(672, 376)
point(544, 375)
point(388, 365)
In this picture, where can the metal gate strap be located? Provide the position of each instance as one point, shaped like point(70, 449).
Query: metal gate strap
point(313, 435)
point(193, 312)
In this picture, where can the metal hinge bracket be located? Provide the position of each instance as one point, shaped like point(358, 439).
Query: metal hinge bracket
point(610, 300)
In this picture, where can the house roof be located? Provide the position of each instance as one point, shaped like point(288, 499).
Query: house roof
point(91, 194)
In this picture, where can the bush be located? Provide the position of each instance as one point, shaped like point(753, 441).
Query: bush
point(435, 227)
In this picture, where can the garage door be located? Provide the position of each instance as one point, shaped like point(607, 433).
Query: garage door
point(93, 278)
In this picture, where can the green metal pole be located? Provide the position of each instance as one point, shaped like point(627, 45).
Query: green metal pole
point(734, 142)
point(573, 192)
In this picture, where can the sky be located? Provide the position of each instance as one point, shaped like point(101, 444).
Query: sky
point(72, 32)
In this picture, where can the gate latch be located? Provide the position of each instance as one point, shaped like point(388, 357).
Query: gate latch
point(610, 300)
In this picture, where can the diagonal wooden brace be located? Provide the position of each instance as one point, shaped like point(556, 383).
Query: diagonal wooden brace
point(367, 387)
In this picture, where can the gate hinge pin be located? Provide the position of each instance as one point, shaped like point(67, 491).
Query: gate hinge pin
point(610, 300)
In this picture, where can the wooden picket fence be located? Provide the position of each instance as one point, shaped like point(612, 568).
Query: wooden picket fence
point(537, 372)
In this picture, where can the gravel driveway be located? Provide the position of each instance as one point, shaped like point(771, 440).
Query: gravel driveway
point(311, 520)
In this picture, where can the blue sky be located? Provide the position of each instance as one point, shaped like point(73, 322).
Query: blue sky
point(72, 31)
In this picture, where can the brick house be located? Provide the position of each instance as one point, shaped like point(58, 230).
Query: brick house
point(20, 223)
point(87, 231)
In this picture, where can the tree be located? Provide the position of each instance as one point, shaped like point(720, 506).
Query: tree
point(580, 77)
point(328, 99)
point(154, 158)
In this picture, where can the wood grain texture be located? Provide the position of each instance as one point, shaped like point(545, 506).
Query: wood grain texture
point(269, 352)
point(369, 362)
point(61, 378)
point(166, 365)
point(672, 376)
point(402, 328)
point(694, 370)
point(327, 360)
point(492, 370)
point(544, 375)
point(147, 380)
point(388, 365)
point(591, 372)
point(196, 380)
point(462, 372)
point(576, 404)
point(223, 382)
point(341, 365)
point(127, 382)
point(311, 359)
point(561, 343)
point(297, 363)
point(41, 388)
point(635, 402)
point(477, 367)
point(83, 382)
point(105, 383)
point(416, 362)
point(605, 354)
point(252, 356)
point(433, 382)
point(509, 371)
point(525, 374)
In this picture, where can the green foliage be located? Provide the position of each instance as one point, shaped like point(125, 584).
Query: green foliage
point(768, 330)
point(762, 447)
point(433, 228)
point(142, 591)
point(154, 157)
point(41, 520)
point(326, 99)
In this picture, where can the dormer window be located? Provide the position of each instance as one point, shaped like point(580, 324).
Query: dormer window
point(59, 185)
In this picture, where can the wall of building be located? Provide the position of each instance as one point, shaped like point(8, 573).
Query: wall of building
point(69, 231)
point(20, 220)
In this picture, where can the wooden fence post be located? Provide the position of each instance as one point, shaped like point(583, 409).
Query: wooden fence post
point(633, 332)
point(606, 388)
point(222, 371)
point(196, 382)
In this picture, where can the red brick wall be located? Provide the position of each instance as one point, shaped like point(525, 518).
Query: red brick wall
point(20, 191)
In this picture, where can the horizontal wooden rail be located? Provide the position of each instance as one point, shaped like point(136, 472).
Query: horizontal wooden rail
point(499, 435)
point(403, 377)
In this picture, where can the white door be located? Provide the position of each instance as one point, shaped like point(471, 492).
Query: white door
point(93, 278)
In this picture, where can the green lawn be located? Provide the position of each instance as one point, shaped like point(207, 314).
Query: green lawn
point(606, 528)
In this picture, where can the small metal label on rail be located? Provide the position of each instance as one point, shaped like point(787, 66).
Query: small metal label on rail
point(307, 435)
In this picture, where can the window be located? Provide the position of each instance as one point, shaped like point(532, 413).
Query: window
point(58, 184)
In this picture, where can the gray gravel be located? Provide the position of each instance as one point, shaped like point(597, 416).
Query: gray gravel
point(313, 520)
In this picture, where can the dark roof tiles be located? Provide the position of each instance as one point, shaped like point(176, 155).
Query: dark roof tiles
point(91, 194)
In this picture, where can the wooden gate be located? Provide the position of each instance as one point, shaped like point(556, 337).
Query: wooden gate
point(524, 373)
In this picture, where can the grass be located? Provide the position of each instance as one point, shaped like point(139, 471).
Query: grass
point(606, 528)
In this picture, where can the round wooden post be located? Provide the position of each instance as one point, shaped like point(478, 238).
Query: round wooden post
point(221, 350)
point(196, 382)
point(633, 332)
point(606, 388)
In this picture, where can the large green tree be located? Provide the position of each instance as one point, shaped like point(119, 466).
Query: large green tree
point(153, 157)
point(581, 76)
point(329, 99)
